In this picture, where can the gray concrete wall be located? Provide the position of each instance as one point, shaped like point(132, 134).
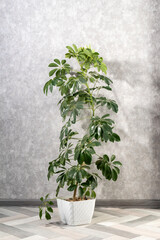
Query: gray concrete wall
point(126, 33)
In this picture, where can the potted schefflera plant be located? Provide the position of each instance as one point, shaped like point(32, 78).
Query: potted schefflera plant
point(78, 165)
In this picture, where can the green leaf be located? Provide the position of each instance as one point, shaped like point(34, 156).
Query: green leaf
point(50, 203)
point(87, 193)
point(58, 75)
point(50, 209)
point(52, 72)
point(108, 88)
point(79, 177)
point(105, 134)
point(111, 138)
point(106, 115)
point(67, 65)
point(71, 188)
point(106, 158)
point(93, 182)
point(47, 215)
point(93, 194)
point(71, 173)
point(52, 65)
point(57, 61)
point(40, 213)
point(114, 106)
point(57, 190)
point(46, 196)
point(117, 163)
point(80, 191)
point(68, 55)
point(46, 86)
point(104, 67)
point(85, 184)
point(51, 88)
point(75, 47)
point(96, 143)
point(41, 199)
point(112, 158)
point(70, 49)
point(87, 157)
point(117, 169)
point(84, 173)
point(82, 80)
point(81, 158)
point(107, 172)
point(88, 53)
point(77, 152)
point(63, 61)
point(116, 137)
point(114, 175)
point(107, 80)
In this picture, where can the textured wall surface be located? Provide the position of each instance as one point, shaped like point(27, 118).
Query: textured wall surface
point(126, 33)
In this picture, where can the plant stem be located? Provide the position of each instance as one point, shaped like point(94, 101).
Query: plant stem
point(77, 138)
point(87, 86)
point(74, 193)
point(97, 155)
point(92, 104)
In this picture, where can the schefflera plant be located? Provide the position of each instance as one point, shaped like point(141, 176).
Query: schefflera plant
point(79, 91)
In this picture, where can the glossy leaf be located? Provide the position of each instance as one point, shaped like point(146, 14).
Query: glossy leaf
point(113, 158)
point(52, 65)
point(71, 188)
point(79, 177)
point(40, 213)
point(47, 215)
point(93, 194)
point(114, 175)
point(109, 171)
point(80, 191)
point(52, 72)
point(41, 199)
point(117, 163)
point(57, 61)
point(87, 193)
point(63, 62)
point(50, 209)
point(75, 48)
point(50, 203)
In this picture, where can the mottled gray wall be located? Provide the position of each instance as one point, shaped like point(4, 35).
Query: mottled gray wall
point(33, 32)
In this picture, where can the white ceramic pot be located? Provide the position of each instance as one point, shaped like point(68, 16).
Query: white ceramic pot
point(76, 213)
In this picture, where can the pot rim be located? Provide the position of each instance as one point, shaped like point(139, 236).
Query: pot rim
point(90, 199)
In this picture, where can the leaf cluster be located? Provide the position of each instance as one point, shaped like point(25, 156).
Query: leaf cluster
point(108, 167)
point(87, 58)
point(102, 128)
point(46, 207)
point(85, 149)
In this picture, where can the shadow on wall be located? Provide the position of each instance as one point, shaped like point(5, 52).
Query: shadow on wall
point(155, 140)
point(155, 76)
point(136, 91)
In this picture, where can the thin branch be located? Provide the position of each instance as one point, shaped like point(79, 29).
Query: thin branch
point(97, 155)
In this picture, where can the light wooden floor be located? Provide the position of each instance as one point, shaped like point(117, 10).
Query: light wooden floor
point(107, 223)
